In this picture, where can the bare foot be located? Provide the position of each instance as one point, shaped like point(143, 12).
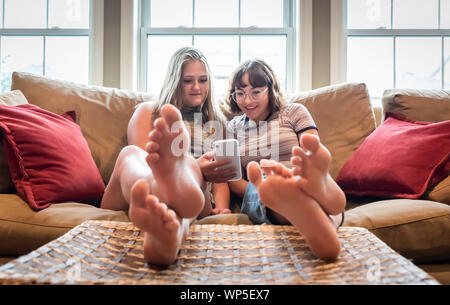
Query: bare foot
point(177, 177)
point(312, 162)
point(280, 192)
point(163, 232)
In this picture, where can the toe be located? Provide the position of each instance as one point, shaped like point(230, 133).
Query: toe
point(152, 147)
point(155, 135)
point(171, 114)
point(152, 158)
point(160, 209)
point(296, 161)
point(309, 142)
point(254, 173)
point(297, 171)
point(139, 191)
point(161, 126)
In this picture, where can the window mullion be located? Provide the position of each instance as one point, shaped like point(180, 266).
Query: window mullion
point(46, 17)
point(44, 41)
point(442, 62)
point(3, 14)
point(394, 54)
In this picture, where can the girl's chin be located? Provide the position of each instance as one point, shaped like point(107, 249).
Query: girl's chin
point(194, 102)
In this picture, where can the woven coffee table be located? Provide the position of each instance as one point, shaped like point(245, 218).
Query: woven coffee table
point(103, 252)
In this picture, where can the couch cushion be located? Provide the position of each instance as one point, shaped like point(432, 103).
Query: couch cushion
point(12, 98)
point(225, 219)
point(49, 159)
point(430, 105)
point(344, 117)
point(417, 229)
point(441, 192)
point(401, 159)
point(102, 113)
point(23, 230)
point(421, 105)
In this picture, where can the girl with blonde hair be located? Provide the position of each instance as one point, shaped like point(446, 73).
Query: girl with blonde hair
point(162, 189)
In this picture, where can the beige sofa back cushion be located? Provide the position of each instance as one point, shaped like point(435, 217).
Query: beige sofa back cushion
point(12, 98)
point(419, 105)
point(344, 117)
point(102, 113)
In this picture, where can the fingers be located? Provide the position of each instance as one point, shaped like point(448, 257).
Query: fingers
point(208, 155)
point(220, 211)
point(219, 174)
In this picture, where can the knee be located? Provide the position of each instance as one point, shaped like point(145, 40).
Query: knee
point(126, 153)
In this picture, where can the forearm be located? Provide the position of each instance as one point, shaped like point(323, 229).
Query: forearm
point(238, 187)
point(221, 193)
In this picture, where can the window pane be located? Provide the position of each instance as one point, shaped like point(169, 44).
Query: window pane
point(23, 54)
point(223, 57)
point(163, 14)
point(216, 13)
point(271, 49)
point(262, 13)
point(445, 14)
point(370, 60)
point(415, 14)
point(67, 58)
point(418, 62)
point(369, 14)
point(72, 14)
point(160, 49)
point(447, 63)
point(25, 13)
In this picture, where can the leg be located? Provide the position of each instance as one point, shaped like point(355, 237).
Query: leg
point(130, 166)
point(312, 163)
point(177, 179)
point(281, 193)
point(164, 231)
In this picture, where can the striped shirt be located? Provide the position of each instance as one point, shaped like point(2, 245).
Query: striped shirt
point(272, 138)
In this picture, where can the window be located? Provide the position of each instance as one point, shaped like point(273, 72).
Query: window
point(398, 44)
point(227, 32)
point(45, 37)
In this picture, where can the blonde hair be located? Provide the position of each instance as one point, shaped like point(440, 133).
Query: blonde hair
point(259, 75)
point(172, 89)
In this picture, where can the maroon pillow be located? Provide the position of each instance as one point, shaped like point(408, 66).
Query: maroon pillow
point(401, 158)
point(48, 157)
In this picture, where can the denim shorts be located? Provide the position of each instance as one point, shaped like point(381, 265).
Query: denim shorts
point(255, 209)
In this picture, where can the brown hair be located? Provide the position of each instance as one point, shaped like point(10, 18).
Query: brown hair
point(259, 75)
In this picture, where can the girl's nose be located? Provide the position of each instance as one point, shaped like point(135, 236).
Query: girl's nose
point(247, 99)
point(196, 84)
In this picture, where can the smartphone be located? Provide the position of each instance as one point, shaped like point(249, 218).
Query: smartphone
point(224, 149)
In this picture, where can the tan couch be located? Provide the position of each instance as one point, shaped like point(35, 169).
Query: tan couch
point(417, 229)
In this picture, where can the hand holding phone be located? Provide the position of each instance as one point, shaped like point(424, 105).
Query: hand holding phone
point(229, 149)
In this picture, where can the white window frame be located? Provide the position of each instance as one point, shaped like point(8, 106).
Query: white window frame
point(339, 35)
point(95, 34)
point(137, 79)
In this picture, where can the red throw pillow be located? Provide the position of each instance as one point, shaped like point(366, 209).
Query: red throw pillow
point(401, 159)
point(48, 157)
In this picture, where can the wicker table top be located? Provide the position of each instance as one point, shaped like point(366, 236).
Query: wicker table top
point(103, 252)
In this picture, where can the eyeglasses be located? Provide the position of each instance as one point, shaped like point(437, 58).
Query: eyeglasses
point(254, 94)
